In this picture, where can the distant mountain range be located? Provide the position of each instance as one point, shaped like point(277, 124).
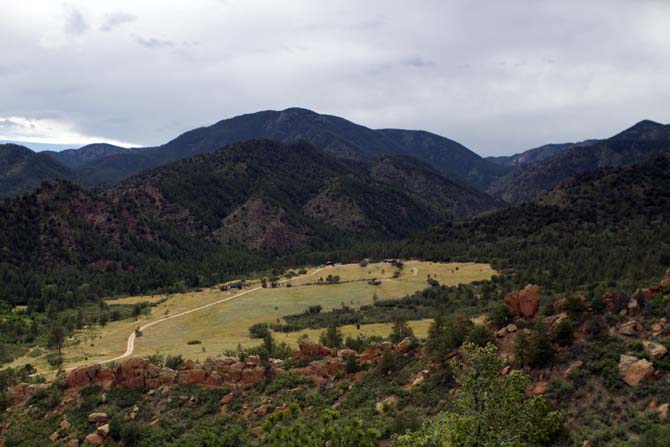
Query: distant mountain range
point(510, 179)
point(74, 158)
point(244, 195)
point(634, 145)
point(98, 164)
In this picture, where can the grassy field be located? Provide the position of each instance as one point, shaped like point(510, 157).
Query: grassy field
point(420, 328)
point(226, 325)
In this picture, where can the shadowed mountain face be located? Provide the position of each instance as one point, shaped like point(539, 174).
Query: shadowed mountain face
point(22, 170)
point(530, 156)
point(331, 134)
point(631, 146)
point(245, 195)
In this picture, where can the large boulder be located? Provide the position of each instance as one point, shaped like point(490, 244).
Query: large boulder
point(524, 303)
point(634, 370)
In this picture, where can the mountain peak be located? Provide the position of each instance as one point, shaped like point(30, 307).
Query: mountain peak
point(646, 130)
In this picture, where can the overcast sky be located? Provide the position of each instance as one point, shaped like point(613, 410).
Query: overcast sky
point(498, 76)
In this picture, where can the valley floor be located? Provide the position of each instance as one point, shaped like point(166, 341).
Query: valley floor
point(225, 325)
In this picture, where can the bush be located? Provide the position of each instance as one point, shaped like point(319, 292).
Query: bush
point(564, 333)
point(174, 361)
point(193, 342)
point(259, 330)
point(351, 364)
point(480, 336)
point(131, 433)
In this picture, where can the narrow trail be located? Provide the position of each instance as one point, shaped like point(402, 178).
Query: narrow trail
point(130, 345)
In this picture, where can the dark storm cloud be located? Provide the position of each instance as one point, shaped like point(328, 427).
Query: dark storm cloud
point(497, 76)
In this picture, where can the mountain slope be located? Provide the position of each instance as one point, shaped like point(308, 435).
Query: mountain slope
point(633, 145)
point(585, 230)
point(428, 185)
point(73, 158)
point(530, 156)
point(245, 195)
point(331, 134)
point(22, 170)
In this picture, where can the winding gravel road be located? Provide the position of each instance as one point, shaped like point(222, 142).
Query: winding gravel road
point(130, 345)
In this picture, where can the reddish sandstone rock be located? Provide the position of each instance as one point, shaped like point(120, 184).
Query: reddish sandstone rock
point(131, 374)
point(83, 376)
point(665, 283)
point(94, 439)
point(252, 375)
point(196, 376)
point(370, 354)
point(524, 303)
point(539, 388)
point(405, 346)
point(634, 370)
point(309, 351)
point(608, 300)
point(326, 368)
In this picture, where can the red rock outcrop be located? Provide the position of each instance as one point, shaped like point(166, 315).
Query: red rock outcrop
point(524, 303)
point(139, 374)
point(309, 351)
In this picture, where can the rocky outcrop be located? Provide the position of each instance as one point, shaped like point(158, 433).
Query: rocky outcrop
point(309, 351)
point(634, 370)
point(524, 303)
point(139, 374)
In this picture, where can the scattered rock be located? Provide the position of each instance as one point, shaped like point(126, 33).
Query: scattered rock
point(227, 399)
point(65, 425)
point(654, 350)
point(103, 430)
point(94, 439)
point(630, 328)
point(309, 351)
point(634, 370)
point(663, 412)
point(98, 418)
point(539, 388)
point(554, 320)
point(573, 368)
point(405, 346)
point(387, 402)
point(53, 437)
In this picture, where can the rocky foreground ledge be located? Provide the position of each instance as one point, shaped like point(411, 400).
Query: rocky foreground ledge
point(139, 374)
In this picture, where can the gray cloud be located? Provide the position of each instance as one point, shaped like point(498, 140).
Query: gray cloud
point(497, 76)
point(116, 19)
point(152, 42)
point(75, 24)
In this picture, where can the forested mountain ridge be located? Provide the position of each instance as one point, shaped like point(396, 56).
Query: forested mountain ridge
point(589, 228)
point(634, 145)
point(73, 158)
point(240, 201)
point(332, 134)
point(22, 170)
